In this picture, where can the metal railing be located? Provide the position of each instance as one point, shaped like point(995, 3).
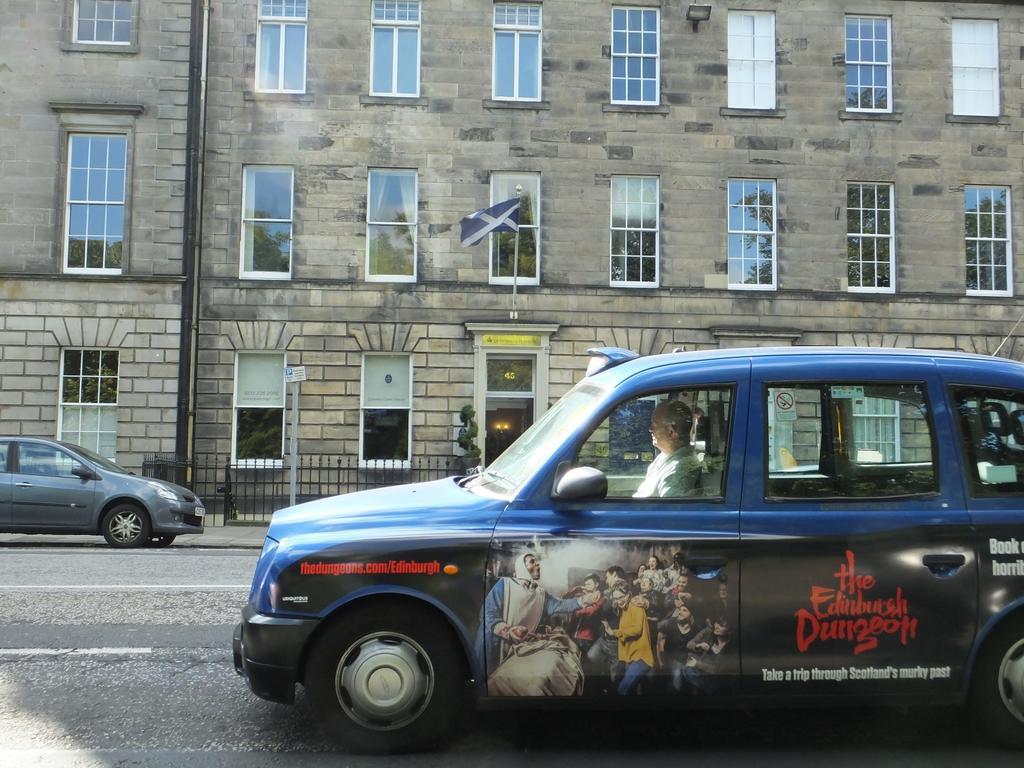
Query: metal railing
point(250, 491)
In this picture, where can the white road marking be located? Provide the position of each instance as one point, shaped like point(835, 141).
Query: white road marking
point(120, 587)
point(75, 651)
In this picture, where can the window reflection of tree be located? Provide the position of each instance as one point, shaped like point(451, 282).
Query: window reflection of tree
point(391, 247)
point(868, 228)
point(505, 247)
point(505, 243)
point(985, 234)
point(271, 243)
point(761, 203)
point(260, 433)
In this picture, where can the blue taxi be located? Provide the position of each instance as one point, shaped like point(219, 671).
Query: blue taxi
point(801, 525)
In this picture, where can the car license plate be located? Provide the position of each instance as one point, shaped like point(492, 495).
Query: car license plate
point(200, 512)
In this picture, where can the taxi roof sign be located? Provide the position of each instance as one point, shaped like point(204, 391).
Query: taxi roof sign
point(603, 358)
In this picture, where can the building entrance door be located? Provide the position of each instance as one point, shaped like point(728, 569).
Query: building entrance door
point(510, 401)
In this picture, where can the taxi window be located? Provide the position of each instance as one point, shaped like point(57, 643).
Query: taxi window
point(842, 440)
point(3, 456)
point(663, 445)
point(992, 439)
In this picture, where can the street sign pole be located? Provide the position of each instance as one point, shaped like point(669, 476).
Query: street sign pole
point(293, 375)
point(294, 449)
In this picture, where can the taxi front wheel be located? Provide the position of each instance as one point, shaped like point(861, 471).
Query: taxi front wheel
point(997, 691)
point(385, 680)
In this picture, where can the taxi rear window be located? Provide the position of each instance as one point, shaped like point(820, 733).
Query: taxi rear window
point(992, 439)
point(849, 440)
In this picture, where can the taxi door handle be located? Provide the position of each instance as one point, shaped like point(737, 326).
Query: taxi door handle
point(944, 565)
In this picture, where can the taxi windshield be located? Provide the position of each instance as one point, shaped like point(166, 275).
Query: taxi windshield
point(507, 473)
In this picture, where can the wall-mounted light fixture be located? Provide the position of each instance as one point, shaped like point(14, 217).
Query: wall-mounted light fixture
point(698, 12)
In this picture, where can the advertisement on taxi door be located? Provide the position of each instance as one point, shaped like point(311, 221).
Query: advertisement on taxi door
point(605, 618)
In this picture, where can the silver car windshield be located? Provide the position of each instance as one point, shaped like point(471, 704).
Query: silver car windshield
point(507, 474)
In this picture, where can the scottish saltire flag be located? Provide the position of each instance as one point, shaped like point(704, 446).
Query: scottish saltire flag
point(502, 217)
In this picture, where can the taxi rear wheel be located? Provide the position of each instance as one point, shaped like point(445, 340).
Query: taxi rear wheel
point(997, 691)
point(385, 679)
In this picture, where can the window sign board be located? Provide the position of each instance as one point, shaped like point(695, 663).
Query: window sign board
point(386, 381)
point(847, 393)
point(260, 383)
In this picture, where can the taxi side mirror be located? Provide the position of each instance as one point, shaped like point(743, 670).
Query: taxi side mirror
point(580, 484)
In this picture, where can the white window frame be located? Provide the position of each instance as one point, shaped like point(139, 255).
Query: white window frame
point(518, 30)
point(495, 279)
point(627, 56)
point(382, 278)
point(394, 25)
point(869, 410)
point(625, 283)
point(100, 406)
point(235, 461)
point(963, 47)
point(746, 30)
point(256, 274)
point(1008, 240)
point(774, 233)
point(131, 25)
point(891, 237)
point(860, 61)
point(384, 463)
point(265, 20)
point(68, 202)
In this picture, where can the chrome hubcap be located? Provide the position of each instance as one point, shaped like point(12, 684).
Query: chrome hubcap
point(126, 526)
point(1011, 680)
point(384, 681)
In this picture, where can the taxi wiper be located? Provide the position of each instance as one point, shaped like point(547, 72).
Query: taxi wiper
point(472, 475)
point(500, 478)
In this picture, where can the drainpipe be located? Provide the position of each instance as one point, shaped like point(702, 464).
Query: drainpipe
point(191, 256)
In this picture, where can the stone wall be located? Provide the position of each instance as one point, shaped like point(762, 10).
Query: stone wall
point(455, 136)
point(144, 332)
point(49, 86)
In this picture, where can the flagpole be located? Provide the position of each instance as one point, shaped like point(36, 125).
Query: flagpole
point(514, 315)
point(1000, 343)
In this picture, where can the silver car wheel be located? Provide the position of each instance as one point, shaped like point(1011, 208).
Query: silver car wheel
point(1011, 680)
point(126, 526)
point(384, 681)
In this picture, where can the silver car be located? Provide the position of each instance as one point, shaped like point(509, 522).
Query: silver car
point(48, 486)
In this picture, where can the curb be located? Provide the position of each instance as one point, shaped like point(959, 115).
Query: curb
point(30, 541)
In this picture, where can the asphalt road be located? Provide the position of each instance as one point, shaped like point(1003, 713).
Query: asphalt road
point(123, 659)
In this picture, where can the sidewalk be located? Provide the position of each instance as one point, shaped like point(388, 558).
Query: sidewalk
point(215, 537)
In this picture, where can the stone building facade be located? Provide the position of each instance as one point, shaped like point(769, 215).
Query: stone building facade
point(93, 102)
point(781, 173)
point(784, 172)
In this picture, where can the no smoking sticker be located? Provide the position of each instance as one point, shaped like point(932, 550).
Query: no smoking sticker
point(785, 405)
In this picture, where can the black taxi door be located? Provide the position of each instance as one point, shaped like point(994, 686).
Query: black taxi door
point(639, 593)
point(859, 574)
